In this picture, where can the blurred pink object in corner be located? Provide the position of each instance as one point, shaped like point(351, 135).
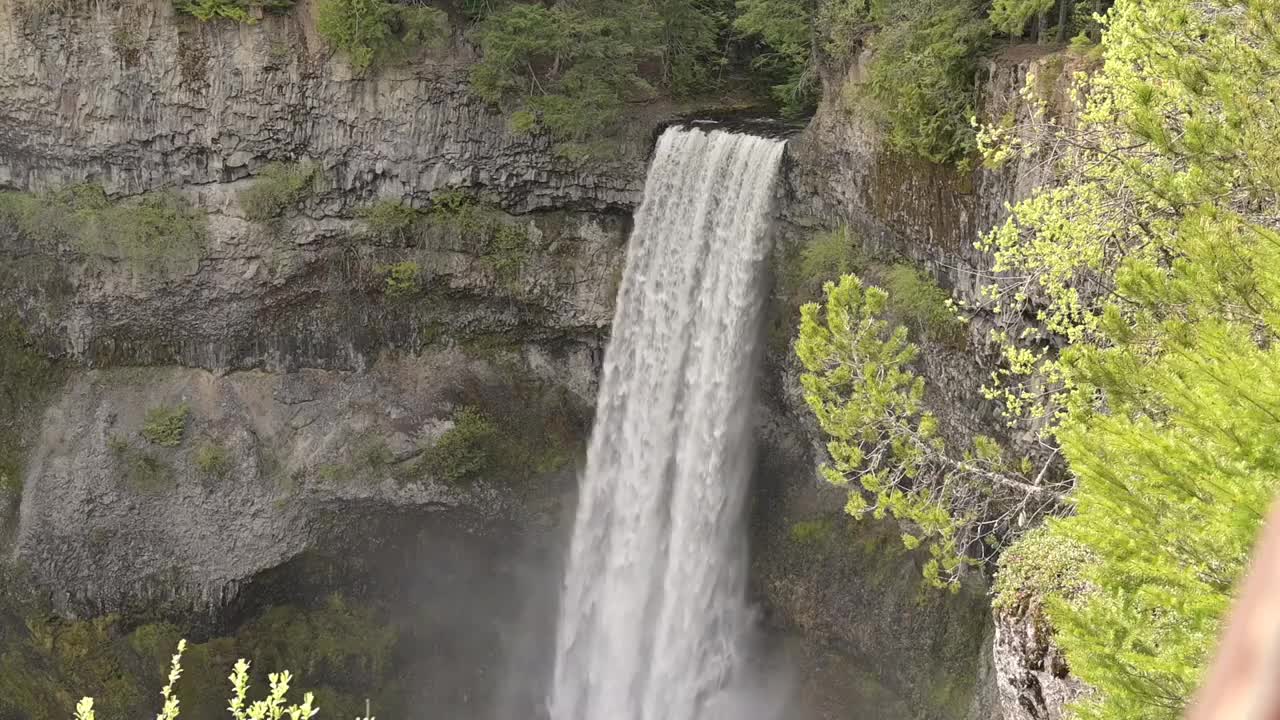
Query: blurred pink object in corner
point(1244, 681)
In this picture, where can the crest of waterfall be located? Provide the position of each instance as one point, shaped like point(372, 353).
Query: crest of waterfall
point(653, 610)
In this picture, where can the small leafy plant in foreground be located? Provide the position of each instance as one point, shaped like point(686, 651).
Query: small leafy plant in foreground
point(273, 707)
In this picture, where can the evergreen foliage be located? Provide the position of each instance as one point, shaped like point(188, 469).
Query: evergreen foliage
point(570, 66)
point(785, 27)
point(1011, 16)
point(374, 31)
point(1156, 261)
point(1152, 270)
point(885, 447)
point(920, 85)
point(691, 43)
point(921, 81)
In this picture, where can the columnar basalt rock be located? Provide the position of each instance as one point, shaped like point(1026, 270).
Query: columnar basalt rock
point(128, 94)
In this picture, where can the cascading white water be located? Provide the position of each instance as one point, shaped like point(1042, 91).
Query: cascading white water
point(654, 600)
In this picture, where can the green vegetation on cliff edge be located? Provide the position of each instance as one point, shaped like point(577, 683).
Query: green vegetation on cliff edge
point(156, 232)
point(1137, 308)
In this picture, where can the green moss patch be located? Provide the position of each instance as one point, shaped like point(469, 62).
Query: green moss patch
point(277, 188)
point(213, 459)
point(166, 426)
point(156, 232)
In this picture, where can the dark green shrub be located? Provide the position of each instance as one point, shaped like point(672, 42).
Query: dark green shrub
point(786, 29)
point(374, 31)
point(569, 67)
point(922, 78)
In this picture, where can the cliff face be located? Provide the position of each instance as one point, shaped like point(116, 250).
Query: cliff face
point(840, 173)
point(129, 95)
point(324, 418)
point(135, 99)
point(320, 393)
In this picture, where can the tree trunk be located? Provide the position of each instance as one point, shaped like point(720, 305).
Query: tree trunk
point(1065, 8)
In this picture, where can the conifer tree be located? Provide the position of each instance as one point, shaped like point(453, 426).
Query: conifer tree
point(1158, 261)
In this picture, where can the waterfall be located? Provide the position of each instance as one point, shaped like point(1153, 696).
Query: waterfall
point(653, 609)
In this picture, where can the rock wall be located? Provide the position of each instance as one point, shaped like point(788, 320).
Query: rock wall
point(1035, 682)
point(264, 467)
point(839, 173)
point(313, 394)
point(129, 95)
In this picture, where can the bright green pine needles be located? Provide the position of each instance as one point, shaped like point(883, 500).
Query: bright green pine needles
point(1158, 261)
point(885, 446)
point(1170, 500)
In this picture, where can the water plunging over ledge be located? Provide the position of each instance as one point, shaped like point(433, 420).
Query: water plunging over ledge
point(653, 610)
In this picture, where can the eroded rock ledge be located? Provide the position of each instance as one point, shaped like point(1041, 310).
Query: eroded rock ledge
point(127, 94)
